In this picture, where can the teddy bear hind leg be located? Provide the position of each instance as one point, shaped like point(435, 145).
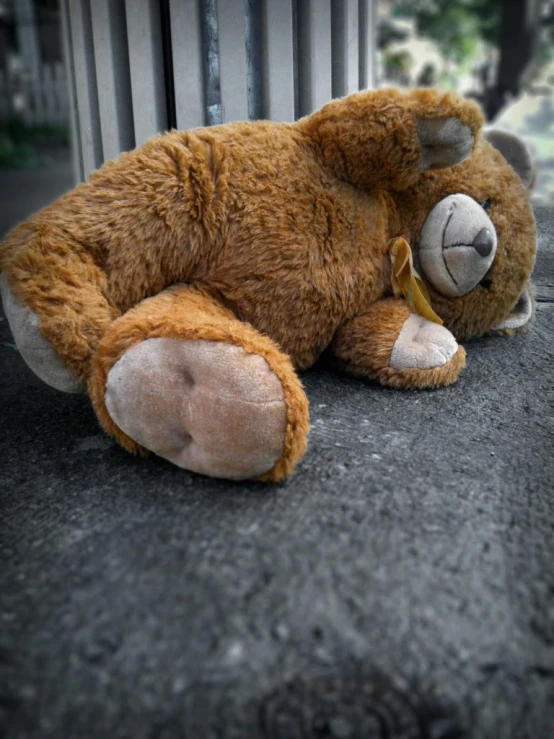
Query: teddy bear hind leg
point(398, 348)
point(34, 348)
point(54, 297)
point(180, 376)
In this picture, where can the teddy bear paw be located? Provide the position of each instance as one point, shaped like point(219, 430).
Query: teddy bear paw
point(206, 406)
point(444, 142)
point(422, 345)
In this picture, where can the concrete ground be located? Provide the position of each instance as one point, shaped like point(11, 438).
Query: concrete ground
point(400, 585)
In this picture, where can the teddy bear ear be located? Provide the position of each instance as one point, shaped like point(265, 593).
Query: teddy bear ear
point(514, 151)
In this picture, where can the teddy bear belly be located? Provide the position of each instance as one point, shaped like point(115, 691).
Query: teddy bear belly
point(302, 335)
point(296, 272)
point(301, 315)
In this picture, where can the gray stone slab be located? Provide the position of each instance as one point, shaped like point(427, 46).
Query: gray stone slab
point(401, 581)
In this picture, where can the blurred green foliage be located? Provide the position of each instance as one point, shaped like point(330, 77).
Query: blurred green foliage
point(19, 143)
point(16, 154)
point(401, 61)
point(454, 25)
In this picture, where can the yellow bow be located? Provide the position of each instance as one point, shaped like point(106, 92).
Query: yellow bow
point(407, 283)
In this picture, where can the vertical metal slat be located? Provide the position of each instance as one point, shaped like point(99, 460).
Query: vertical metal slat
point(368, 40)
point(85, 84)
point(186, 43)
point(314, 54)
point(232, 60)
point(345, 43)
point(76, 149)
point(109, 32)
point(278, 78)
point(253, 25)
point(146, 66)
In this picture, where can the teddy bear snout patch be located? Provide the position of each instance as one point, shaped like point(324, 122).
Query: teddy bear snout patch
point(457, 245)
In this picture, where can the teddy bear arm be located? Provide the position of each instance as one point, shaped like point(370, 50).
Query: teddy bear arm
point(180, 376)
point(398, 348)
point(388, 139)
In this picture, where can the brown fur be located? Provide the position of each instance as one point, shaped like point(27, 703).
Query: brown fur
point(283, 231)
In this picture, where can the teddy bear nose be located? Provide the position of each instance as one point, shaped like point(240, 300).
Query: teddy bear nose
point(483, 243)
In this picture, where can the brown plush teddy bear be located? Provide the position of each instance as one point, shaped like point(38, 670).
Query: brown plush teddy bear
point(185, 281)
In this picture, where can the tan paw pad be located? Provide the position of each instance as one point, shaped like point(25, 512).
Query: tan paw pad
point(422, 344)
point(206, 406)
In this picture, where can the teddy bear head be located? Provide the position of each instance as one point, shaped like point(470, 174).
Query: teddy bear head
point(472, 230)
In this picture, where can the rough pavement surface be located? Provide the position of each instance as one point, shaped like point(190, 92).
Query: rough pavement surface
point(400, 585)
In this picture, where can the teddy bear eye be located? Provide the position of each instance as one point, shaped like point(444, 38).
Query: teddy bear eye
point(486, 204)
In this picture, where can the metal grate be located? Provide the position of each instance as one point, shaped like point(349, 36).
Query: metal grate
point(138, 67)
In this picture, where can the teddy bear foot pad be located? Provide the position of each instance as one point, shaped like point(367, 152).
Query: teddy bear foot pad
point(422, 344)
point(206, 406)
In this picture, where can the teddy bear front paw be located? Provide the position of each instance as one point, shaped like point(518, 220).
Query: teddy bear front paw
point(422, 345)
point(444, 142)
point(206, 406)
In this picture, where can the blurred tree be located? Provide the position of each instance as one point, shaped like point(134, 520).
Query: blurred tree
point(454, 25)
point(520, 29)
point(454, 30)
point(388, 32)
point(520, 42)
point(398, 65)
point(428, 76)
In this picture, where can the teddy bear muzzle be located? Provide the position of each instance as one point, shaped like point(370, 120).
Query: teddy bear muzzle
point(457, 245)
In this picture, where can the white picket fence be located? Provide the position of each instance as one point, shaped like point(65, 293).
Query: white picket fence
point(137, 67)
point(36, 100)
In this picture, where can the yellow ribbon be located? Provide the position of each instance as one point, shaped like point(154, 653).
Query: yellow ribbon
point(407, 283)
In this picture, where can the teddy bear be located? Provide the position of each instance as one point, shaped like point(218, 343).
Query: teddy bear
point(185, 284)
